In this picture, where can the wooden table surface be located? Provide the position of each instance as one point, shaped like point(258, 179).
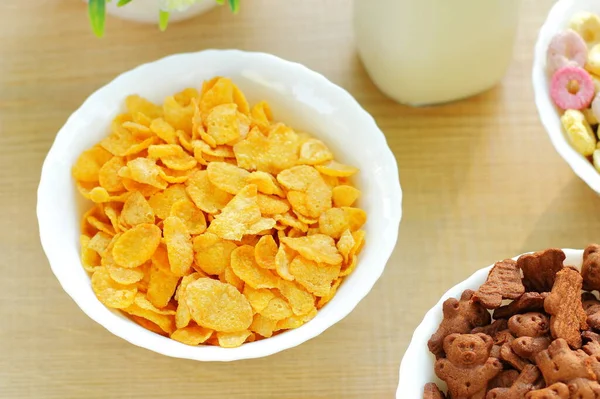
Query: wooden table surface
point(480, 178)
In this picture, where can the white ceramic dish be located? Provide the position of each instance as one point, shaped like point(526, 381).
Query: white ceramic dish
point(558, 20)
point(417, 367)
point(303, 99)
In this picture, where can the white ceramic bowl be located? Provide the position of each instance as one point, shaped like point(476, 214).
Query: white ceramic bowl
point(416, 368)
point(558, 20)
point(298, 96)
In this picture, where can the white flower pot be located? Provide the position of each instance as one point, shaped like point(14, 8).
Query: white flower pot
point(146, 11)
point(432, 51)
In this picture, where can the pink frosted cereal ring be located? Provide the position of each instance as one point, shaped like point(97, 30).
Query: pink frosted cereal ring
point(572, 88)
point(566, 48)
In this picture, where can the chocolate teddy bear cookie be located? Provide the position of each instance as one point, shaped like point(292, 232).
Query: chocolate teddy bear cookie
point(590, 270)
point(531, 330)
point(433, 392)
point(529, 380)
point(564, 306)
point(503, 282)
point(468, 367)
point(540, 268)
point(559, 363)
point(460, 316)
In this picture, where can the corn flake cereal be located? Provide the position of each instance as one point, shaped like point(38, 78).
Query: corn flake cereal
point(212, 253)
point(218, 306)
point(192, 335)
point(265, 252)
point(136, 246)
point(212, 223)
point(194, 218)
point(245, 267)
point(179, 245)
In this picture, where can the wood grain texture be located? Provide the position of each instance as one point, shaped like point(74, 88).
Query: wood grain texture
point(481, 182)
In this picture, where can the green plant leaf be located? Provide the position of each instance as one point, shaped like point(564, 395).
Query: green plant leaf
point(234, 5)
point(97, 14)
point(219, 1)
point(163, 20)
point(121, 3)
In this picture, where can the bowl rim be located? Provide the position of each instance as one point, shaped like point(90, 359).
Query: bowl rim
point(271, 345)
point(578, 163)
point(422, 333)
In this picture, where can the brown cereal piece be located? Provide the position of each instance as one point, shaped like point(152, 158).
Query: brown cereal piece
point(592, 348)
point(468, 367)
point(432, 391)
point(503, 337)
point(492, 329)
point(500, 338)
point(509, 356)
point(503, 282)
point(528, 347)
point(531, 330)
point(505, 379)
point(590, 270)
point(559, 363)
point(582, 388)
point(531, 324)
point(460, 316)
point(528, 302)
point(529, 380)
point(591, 306)
point(554, 391)
point(540, 268)
point(590, 336)
point(565, 308)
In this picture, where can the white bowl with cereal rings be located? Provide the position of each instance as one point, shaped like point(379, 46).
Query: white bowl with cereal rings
point(418, 364)
point(566, 82)
point(179, 214)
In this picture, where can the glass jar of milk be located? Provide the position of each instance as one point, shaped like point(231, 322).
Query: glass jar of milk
point(422, 52)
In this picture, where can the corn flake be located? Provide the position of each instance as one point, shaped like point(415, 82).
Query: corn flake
point(232, 339)
point(265, 252)
point(162, 285)
point(226, 177)
point(111, 293)
point(319, 248)
point(173, 156)
point(163, 202)
point(179, 245)
point(108, 177)
point(136, 210)
point(313, 152)
point(136, 246)
point(258, 298)
point(88, 165)
point(344, 196)
point(265, 183)
point(333, 168)
point(263, 325)
point(245, 267)
point(315, 277)
point(277, 309)
point(270, 154)
point(192, 335)
point(334, 222)
point(218, 306)
point(206, 195)
point(212, 253)
point(300, 301)
point(283, 258)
